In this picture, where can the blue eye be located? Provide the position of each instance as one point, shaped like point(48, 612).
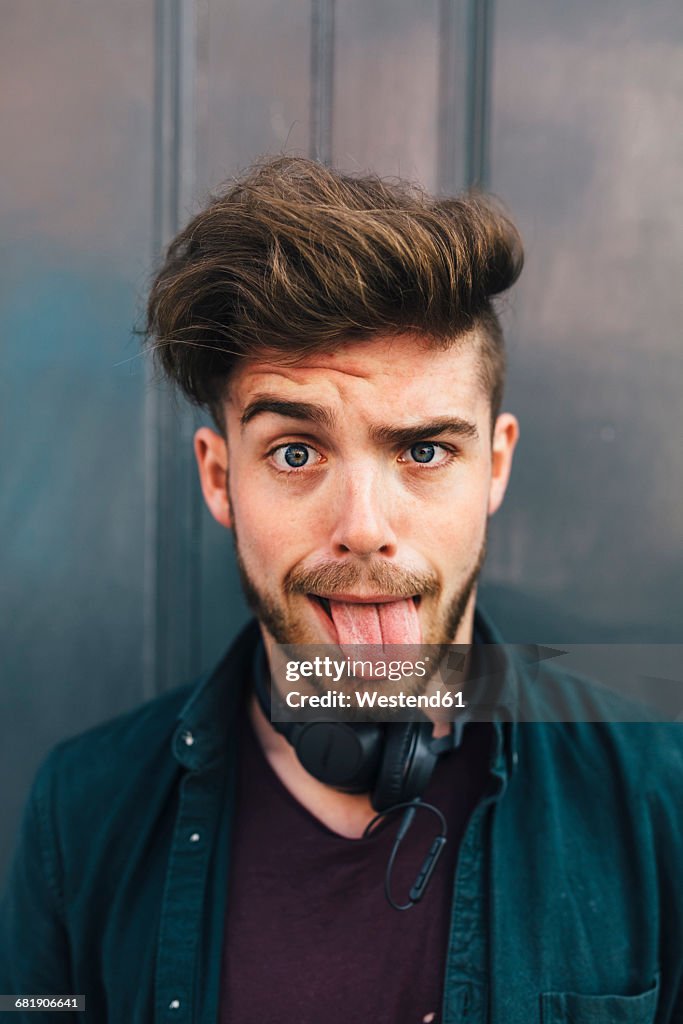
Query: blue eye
point(423, 452)
point(428, 453)
point(294, 455)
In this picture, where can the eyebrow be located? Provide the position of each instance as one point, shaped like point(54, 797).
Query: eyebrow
point(442, 425)
point(294, 410)
point(381, 434)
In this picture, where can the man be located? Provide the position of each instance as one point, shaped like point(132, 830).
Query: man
point(185, 862)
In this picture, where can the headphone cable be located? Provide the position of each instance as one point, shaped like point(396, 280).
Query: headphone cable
point(429, 864)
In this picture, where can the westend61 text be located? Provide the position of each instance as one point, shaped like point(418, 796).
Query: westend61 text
point(368, 699)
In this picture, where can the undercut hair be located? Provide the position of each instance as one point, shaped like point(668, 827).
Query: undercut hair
point(296, 258)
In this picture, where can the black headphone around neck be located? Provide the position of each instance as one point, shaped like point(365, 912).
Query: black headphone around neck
point(393, 762)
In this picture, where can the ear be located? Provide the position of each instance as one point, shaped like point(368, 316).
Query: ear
point(211, 452)
point(505, 437)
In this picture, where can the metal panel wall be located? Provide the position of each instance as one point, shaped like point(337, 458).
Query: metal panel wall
point(76, 88)
point(586, 148)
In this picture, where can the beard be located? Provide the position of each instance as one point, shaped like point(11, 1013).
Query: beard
point(287, 628)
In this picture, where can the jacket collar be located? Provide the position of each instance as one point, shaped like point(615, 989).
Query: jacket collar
point(508, 670)
point(205, 720)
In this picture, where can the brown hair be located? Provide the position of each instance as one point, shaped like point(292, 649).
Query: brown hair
point(296, 257)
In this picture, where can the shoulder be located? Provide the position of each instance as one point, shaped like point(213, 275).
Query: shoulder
point(595, 737)
point(86, 769)
point(129, 762)
point(136, 731)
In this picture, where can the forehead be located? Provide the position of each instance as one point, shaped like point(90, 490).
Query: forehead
point(402, 373)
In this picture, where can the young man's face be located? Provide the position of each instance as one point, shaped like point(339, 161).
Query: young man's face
point(366, 477)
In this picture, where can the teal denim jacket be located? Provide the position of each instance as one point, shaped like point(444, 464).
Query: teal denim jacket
point(567, 901)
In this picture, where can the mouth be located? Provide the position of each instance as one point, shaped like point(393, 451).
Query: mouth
point(324, 602)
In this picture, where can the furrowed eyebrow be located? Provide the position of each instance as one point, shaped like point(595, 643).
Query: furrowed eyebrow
point(432, 428)
point(283, 407)
point(381, 434)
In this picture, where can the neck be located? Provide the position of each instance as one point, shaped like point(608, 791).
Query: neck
point(347, 814)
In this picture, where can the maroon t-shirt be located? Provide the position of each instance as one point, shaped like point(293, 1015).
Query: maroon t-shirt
point(309, 934)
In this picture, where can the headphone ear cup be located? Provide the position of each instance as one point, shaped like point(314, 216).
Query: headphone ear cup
point(398, 740)
point(340, 755)
point(407, 764)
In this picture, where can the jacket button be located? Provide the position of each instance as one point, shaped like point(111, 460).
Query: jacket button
point(174, 1004)
point(194, 838)
point(188, 738)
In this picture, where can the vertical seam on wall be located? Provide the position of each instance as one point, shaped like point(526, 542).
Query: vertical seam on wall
point(151, 397)
point(171, 577)
point(478, 91)
point(463, 121)
point(322, 79)
point(449, 130)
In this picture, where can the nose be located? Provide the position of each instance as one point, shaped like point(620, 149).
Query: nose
point(362, 524)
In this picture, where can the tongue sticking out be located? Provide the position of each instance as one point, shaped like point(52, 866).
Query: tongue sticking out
point(393, 622)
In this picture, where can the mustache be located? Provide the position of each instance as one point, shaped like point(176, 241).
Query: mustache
point(387, 579)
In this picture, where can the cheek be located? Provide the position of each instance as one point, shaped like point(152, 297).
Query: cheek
point(271, 533)
point(461, 525)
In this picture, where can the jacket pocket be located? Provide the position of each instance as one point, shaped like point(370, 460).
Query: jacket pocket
point(574, 1008)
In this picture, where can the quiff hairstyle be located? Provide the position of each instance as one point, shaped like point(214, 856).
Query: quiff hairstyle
point(295, 258)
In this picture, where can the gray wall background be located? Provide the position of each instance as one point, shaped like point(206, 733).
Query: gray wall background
point(115, 584)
